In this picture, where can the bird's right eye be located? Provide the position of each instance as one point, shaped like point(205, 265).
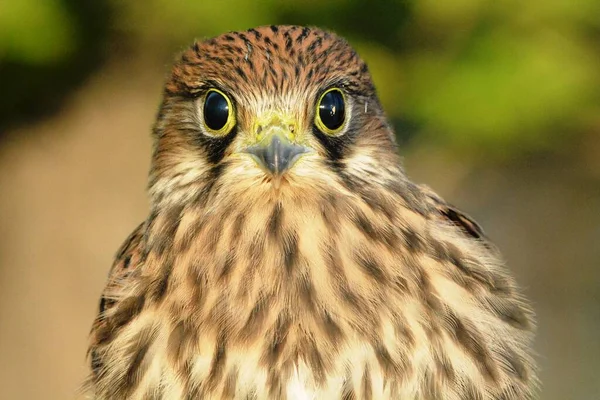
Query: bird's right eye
point(331, 112)
point(219, 116)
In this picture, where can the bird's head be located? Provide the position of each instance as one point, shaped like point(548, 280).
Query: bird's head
point(273, 112)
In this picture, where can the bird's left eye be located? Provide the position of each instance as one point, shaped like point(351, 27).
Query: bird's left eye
point(219, 116)
point(331, 112)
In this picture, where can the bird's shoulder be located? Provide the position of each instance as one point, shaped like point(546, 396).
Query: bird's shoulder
point(450, 214)
point(127, 260)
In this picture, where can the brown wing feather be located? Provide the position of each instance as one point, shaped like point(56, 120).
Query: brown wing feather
point(453, 215)
point(126, 260)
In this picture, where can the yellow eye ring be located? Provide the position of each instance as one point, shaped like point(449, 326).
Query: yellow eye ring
point(330, 112)
point(218, 114)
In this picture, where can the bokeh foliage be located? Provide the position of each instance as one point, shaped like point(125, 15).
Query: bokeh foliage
point(493, 78)
point(47, 48)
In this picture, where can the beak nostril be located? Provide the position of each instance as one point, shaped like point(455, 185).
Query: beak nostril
point(291, 128)
point(259, 129)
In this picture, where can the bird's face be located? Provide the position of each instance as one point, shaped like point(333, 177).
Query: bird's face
point(273, 111)
point(277, 133)
point(275, 136)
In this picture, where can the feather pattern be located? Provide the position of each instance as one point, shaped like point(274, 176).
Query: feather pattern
point(347, 281)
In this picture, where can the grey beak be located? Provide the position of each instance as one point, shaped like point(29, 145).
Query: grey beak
point(278, 155)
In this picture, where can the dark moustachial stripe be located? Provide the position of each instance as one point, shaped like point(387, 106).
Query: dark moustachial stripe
point(335, 146)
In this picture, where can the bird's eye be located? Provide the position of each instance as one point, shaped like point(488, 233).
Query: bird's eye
point(331, 112)
point(219, 117)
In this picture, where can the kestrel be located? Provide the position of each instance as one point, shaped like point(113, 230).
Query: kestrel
point(288, 256)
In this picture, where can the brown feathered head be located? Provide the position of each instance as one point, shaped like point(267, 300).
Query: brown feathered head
point(277, 112)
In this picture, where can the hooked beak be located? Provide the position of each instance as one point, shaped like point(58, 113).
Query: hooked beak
point(275, 151)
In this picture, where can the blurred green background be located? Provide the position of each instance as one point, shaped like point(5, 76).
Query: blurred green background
point(496, 105)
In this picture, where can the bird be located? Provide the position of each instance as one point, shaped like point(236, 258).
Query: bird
point(286, 253)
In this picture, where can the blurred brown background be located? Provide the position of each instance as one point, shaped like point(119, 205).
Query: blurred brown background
point(496, 106)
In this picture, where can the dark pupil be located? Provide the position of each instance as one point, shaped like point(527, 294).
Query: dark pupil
point(331, 110)
point(216, 111)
